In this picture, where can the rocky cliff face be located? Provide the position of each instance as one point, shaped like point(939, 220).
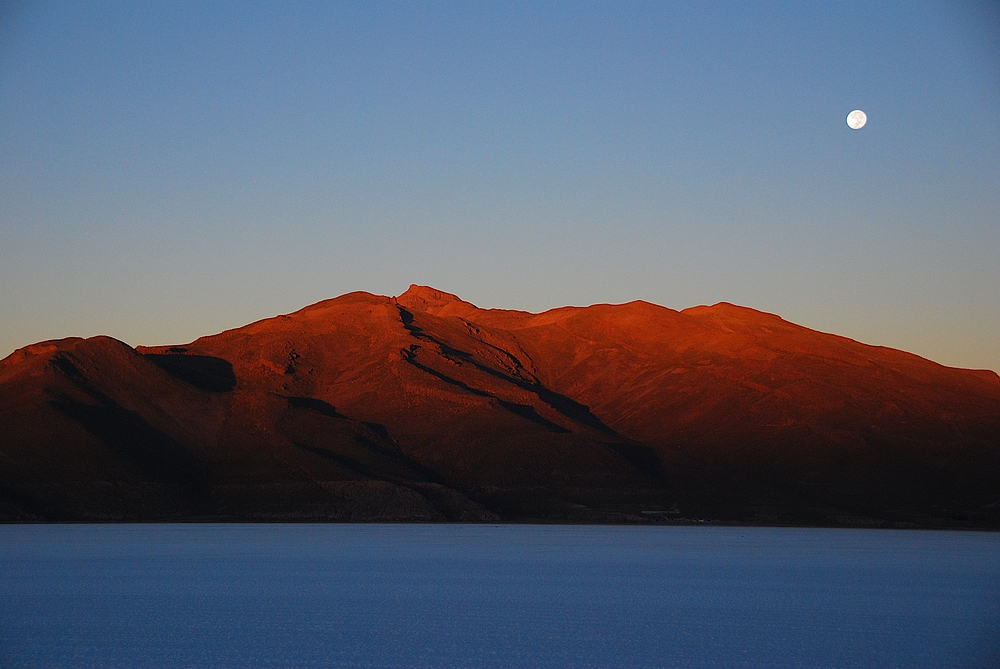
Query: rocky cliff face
point(424, 407)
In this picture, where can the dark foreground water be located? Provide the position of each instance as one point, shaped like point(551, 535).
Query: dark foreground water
point(495, 596)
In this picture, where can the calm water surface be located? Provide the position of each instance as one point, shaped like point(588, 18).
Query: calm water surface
point(495, 596)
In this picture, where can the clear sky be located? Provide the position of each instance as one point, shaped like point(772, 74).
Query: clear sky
point(170, 169)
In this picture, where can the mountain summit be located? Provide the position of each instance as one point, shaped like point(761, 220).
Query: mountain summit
point(424, 407)
point(433, 301)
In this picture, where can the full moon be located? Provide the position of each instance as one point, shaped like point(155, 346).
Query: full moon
point(856, 119)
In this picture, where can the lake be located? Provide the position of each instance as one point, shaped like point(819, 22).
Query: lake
point(309, 595)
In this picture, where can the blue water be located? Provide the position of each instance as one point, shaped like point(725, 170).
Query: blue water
point(495, 596)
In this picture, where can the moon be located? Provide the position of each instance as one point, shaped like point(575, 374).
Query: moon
point(856, 119)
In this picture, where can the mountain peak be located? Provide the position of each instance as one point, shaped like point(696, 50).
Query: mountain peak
point(431, 300)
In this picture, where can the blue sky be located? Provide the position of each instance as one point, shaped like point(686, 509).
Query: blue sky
point(176, 169)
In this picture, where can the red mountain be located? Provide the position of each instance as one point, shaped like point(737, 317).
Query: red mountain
point(425, 407)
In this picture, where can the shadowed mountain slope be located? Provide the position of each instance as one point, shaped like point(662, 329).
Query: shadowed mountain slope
point(424, 407)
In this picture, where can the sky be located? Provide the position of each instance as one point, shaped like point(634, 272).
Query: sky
point(170, 170)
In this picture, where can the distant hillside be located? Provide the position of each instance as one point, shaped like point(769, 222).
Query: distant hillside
point(427, 408)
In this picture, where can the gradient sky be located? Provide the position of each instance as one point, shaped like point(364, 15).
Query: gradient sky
point(175, 169)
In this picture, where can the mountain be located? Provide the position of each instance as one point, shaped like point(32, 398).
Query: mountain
point(424, 407)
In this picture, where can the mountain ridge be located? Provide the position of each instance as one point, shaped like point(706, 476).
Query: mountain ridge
point(424, 407)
